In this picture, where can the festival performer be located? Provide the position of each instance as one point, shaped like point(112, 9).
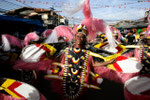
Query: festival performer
point(145, 50)
point(11, 50)
point(138, 88)
point(76, 64)
point(77, 59)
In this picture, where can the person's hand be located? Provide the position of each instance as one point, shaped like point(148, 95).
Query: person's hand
point(112, 61)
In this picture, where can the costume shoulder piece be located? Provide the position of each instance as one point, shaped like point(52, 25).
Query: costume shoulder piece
point(18, 90)
point(98, 51)
point(35, 52)
point(60, 47)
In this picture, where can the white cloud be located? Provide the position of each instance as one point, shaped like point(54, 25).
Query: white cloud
point(129, 14)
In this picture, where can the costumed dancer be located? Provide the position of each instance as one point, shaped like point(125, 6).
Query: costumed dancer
point(145, 51)
point(12, 46)
point(75, 67)
point(77, 59)
point(94, 26)
point(59, 35)
point(138, 88)
point(32, 69)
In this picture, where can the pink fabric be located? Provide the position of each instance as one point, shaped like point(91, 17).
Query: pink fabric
point(148, 18)
point(129, 54)
point(107, 73)
point(137, 54)
point(14, 41)
point(38, 66)
point(64, 31)
point(7, 97)
point(29, 37)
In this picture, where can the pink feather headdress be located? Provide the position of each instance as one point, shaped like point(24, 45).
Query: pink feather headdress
point(9, 41)
point(117, 32)
point(30, 36)
point(60, 31)
point(95, 25)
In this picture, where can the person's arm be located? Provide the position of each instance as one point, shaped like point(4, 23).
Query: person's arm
point(127, 39)
point(100, 64)
point(134, 40)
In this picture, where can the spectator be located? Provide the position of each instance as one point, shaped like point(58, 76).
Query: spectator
point(130, 39)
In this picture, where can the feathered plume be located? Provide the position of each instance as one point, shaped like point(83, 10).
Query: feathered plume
point(52, 38)
point(60, 31)
point(116, 31)
point(9, 40)
point(29, 37)
point(148, 17)
point(148, 28)
point(110, 37)
point(64, 31)
point(93, 25)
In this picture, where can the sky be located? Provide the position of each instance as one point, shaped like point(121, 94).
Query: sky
point(108, 10)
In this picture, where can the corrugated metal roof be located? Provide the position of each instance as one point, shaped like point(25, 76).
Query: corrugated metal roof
point(9, 5)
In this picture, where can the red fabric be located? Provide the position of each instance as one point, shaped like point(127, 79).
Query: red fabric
point(130, 96)
point(15, 85)
point(119, 49)
point(43, 47)
point(117, 67)
point(56, 85)
point(42, 97)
